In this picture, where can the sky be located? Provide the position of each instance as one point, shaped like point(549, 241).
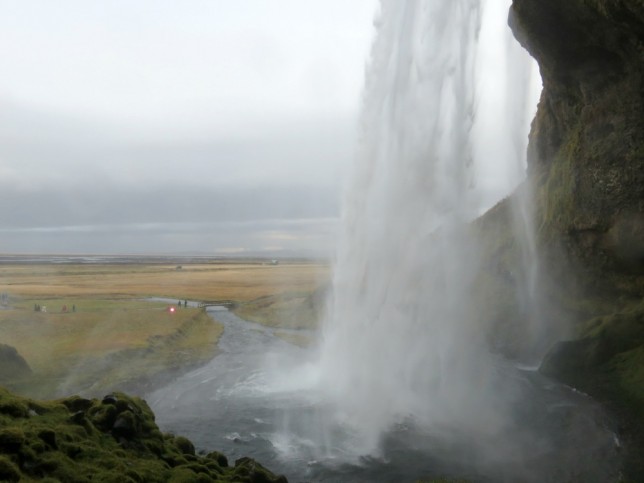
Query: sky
point(177, 126)
point(215, 127)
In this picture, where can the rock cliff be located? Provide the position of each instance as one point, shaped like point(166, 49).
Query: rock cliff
point(586, 177)
point(586, 152)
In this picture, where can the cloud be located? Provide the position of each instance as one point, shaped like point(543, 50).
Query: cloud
point(156, 61)
point(131, 125)
point(49, 148)
point(292, 237)
point(105, 205)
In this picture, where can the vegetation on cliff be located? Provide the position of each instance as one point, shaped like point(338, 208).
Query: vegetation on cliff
point(115, 439)
point(586, 172)
point(586, 181)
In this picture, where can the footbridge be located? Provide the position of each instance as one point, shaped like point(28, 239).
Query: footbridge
point(229, 304)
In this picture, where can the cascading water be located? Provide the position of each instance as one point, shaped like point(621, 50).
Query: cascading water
point(404, 386)
point(401, 338)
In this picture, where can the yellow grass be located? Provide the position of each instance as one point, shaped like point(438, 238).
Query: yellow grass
point(41, 336)
point(290, 310)
point(115, 337)
point(239, 282)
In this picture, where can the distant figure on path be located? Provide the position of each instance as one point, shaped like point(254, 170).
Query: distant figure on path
point(64, 308)
point(74, 308)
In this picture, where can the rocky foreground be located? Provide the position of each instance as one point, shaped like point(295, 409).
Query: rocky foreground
point(77, 440)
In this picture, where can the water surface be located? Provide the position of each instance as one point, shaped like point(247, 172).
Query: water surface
point(260, 397)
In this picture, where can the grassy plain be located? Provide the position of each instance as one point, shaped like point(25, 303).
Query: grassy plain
point(206, 282)
point(117, 340)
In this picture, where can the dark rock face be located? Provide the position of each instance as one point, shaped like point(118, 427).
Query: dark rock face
point(586, 175)
point(586, 153)
point(586, 160)
point(586, 169)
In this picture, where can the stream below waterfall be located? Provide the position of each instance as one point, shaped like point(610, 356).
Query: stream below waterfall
point(258, 397)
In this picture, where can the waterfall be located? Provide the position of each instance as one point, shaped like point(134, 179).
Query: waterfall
point(400, 340)
point(405, 385)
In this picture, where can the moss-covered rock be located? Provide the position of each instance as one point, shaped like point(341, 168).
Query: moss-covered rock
point(110, 440)
point(8, 470)
point(247, 469)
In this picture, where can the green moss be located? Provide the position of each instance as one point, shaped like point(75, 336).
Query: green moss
point(182, 475)
point(11, 406)
point(629, 367)
point(114, 477)
point(110, 440)
point(247, 469)
point(184, 445)
point(608, 362)
point(443, 480)
point(556, 186)
point(219, 458)
point(8, 470)
point(11, 440)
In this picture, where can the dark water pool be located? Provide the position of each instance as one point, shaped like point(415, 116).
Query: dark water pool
point(258, 398)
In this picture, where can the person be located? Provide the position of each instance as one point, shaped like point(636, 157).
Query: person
point(74, 308)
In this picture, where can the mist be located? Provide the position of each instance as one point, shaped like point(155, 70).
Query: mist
point(404, 378)
point(123, 117)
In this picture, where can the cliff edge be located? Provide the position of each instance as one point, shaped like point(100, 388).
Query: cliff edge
point(586, 172)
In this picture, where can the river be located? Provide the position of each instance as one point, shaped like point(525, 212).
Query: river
point(258, 397)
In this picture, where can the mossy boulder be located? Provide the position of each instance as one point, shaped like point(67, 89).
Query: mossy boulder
point(247, 469)
point(114, 439)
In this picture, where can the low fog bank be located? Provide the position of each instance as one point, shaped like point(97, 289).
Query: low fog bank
point(92, 187)
point(268, 237)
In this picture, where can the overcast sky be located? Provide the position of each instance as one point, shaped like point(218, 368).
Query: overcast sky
point(214, 126)
point(202, 126)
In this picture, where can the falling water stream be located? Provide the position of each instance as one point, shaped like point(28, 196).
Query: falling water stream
point(402, 385)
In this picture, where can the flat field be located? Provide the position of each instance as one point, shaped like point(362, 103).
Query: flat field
point(205, 282)
point(110, 337)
